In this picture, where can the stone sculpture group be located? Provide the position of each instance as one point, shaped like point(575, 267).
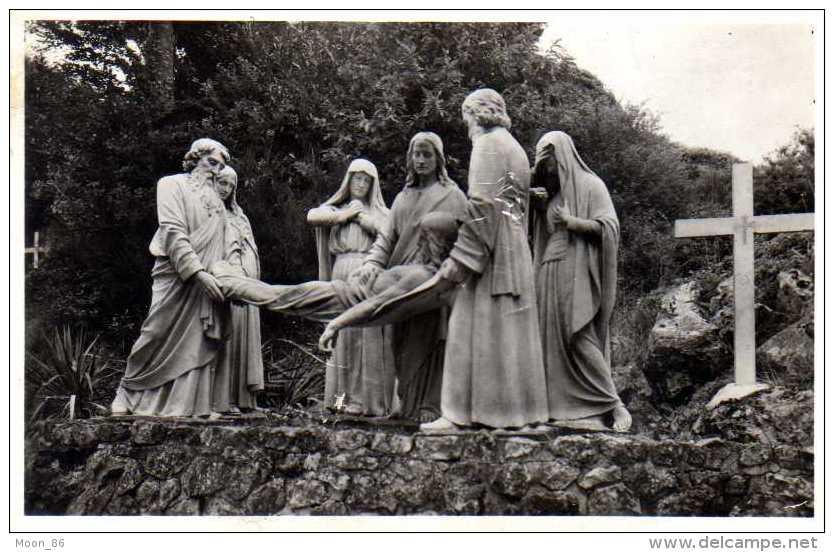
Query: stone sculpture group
point(437, 310)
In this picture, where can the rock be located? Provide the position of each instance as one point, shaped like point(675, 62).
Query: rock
point(679, 326)
point(354, 460)
point(519, 447)
point(269, 498)
point(311, 463)
point(777, 495)
point(650, 482)
point(185, 507)
point(666, 453)
point(445, 447)
point(600, 476)
point(544, 502)
point(168, 492)
point(684, 348)
point(789, 355)
point(92, 501)
point(148, 433)
point(796, 292)
point(794, 458)
point(464, 499)
point(204, 477)
point(80, 435)
point(553, 476)
point(338, 482)
point(697, 501)
point(774, 417)
point(122, 505)
point(348, 440)
point(221, 507)
point(613, 500)
point(147, 495)
point(635, 392)
point(242, 477)
point(392, 443)
point(511, 479)
point(757, 460)
point(131, 475)
point(167, 461)
point(576, 449)
point(754, 455)
point(305, 493)
point(737, 485)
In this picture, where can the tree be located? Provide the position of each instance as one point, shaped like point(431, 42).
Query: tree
point(294, 103)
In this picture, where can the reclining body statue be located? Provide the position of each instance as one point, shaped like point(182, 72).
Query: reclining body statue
point(347, 304)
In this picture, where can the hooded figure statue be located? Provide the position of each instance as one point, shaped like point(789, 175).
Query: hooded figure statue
point(361, 372)
point(575, 238)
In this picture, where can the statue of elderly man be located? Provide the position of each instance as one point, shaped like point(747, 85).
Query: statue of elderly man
point(169, 370)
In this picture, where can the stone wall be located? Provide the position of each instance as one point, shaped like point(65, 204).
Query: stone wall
point(141, 466)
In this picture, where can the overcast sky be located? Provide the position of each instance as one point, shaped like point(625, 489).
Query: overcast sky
point(742, 88)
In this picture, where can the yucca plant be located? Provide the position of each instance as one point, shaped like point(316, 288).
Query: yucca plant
point(294, 380)
point(66, 375)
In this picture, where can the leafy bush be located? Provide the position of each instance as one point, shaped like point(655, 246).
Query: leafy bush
point(68, 376)
point(294, 102)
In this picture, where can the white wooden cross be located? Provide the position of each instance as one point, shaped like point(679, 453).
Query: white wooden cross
point(35, 250)
point(742, 225)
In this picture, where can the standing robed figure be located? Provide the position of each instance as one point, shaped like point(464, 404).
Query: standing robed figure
point(239, 375)
point(419, 342)
point(169, 370)
point(493, 371)
point(361, 370)
point(575, 238)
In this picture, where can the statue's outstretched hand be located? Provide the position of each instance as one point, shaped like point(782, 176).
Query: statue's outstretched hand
point(327, 341)
point(209, 285)
point(365, 275)
point(453, 271)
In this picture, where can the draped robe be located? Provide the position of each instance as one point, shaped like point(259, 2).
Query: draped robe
point(493, 372)
point(240, 370)
point(169, 370)
point(419, 341)
point(576, 277)
point(361, 368)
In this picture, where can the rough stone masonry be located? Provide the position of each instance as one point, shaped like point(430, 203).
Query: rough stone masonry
point(165, 467)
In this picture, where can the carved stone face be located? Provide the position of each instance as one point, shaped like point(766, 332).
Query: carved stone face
point(211, 163)
point(360, 184)
point(424, 159)
point(225, 187)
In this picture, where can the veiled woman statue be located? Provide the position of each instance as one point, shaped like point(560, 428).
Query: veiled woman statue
point(419, 343)
point(362, 367)
point(239, 374)
point(576, 235)
point(169, 370)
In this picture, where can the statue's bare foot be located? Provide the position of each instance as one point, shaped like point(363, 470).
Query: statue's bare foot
point(214, 415)
point(622, 419)
point(440, 424)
